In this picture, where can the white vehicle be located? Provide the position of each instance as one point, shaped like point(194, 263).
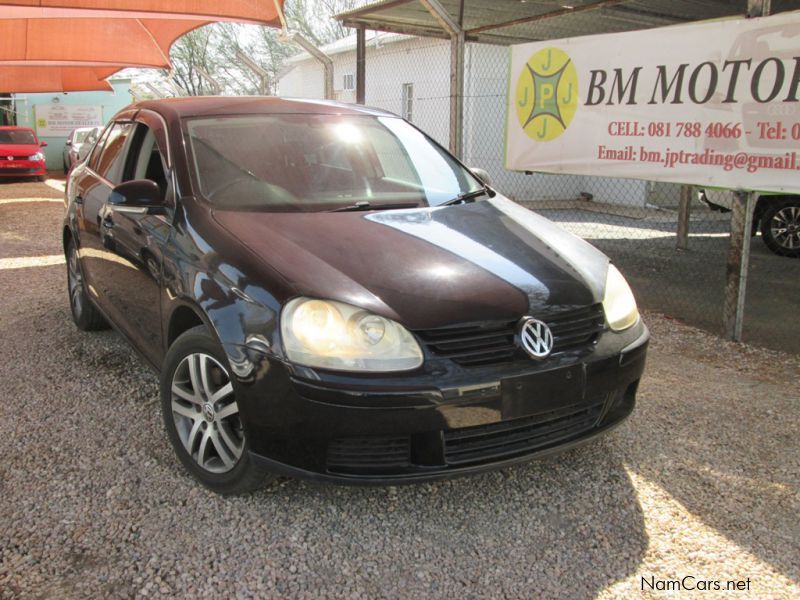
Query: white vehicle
point(776, 216)
point(78, 144)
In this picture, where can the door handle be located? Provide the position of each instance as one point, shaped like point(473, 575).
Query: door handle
point(108, 221)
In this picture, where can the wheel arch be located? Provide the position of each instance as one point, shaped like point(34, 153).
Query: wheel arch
point(765, 200)
point(185, 316)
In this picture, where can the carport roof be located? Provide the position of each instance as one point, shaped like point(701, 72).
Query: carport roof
point(515, 21)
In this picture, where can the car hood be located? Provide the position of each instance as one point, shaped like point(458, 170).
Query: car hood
point(428, 267)
point(19, 149)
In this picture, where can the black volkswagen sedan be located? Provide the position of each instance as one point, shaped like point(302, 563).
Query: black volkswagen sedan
point(327, 293)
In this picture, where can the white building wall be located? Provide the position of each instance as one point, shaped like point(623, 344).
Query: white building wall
point(424, 63)
point(305, 80)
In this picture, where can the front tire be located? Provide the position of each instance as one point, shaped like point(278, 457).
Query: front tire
point(780, 228)
point(84, 313)
point(201, 415)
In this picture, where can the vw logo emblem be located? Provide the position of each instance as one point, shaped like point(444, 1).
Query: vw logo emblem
point(536, 338)
point(10, 157)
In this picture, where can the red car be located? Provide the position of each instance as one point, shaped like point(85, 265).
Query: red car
point(21, 153)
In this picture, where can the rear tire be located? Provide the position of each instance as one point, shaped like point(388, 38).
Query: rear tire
point(780, 227)
point(201, 415)
point(84, 313)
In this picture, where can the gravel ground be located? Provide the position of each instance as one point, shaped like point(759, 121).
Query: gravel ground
point(702, 481)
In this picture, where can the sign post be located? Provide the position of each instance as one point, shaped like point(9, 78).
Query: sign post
point(738, 263)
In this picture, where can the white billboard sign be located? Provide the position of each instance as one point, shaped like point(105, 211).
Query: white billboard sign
point(712, 103)
point(58, 120)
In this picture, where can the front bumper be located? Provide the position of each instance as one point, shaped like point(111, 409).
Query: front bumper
point(22, 168)
point(389, 431)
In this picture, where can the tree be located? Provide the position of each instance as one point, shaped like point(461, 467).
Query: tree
point(191, 50)
point(213, 47)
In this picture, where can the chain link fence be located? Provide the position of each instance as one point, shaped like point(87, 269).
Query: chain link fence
point(636, 223)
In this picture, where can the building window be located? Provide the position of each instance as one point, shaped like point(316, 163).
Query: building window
point(349, 81)
point(408, 101)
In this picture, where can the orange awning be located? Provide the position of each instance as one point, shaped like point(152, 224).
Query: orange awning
point(54, 79)
point(242, 11)
point(109, 34)
point(89, 42)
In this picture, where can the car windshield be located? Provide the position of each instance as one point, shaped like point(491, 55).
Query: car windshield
point(306, 163)
point(17, 136)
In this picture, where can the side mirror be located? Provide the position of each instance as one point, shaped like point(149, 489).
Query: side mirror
point(68, 143)
point(482, 175)
point(139, 196)
point(43, 144)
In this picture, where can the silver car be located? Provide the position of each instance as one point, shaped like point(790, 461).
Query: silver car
point(78, 145)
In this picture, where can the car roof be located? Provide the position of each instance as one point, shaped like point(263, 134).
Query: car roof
point(199, 106)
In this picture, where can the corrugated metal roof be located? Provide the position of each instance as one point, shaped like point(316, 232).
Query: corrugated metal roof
point(348, 44)
point(515, 21)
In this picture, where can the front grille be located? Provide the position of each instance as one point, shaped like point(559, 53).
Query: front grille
point(487, 343)
point(4, 157)
point(576, 328)
point(365, 454)
point(507, 439)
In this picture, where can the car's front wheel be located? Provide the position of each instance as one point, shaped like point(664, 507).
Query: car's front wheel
point(201, 415)
point(780, 228)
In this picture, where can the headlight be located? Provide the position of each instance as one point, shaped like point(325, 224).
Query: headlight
point(333, 335)
point(618, 301)
point(37, 156)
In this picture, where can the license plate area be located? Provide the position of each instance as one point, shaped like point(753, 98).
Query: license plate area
point(542, 392)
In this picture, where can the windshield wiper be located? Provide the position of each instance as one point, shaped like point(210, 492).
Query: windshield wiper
point(467, 196)
point(365, 205)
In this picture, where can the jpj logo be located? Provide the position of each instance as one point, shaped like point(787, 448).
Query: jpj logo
point(547, 94)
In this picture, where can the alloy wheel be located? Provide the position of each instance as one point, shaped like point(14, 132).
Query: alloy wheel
point(785, 227)
point(74, 281)
point(206, 414)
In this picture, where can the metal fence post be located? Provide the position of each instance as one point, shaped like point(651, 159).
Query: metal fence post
point(683, 218)
point(741, 231)
point(457, 94)
point(361, 64)
point(457, 42)
point(738, 264)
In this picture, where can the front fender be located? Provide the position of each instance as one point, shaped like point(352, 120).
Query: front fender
point(242, 315)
